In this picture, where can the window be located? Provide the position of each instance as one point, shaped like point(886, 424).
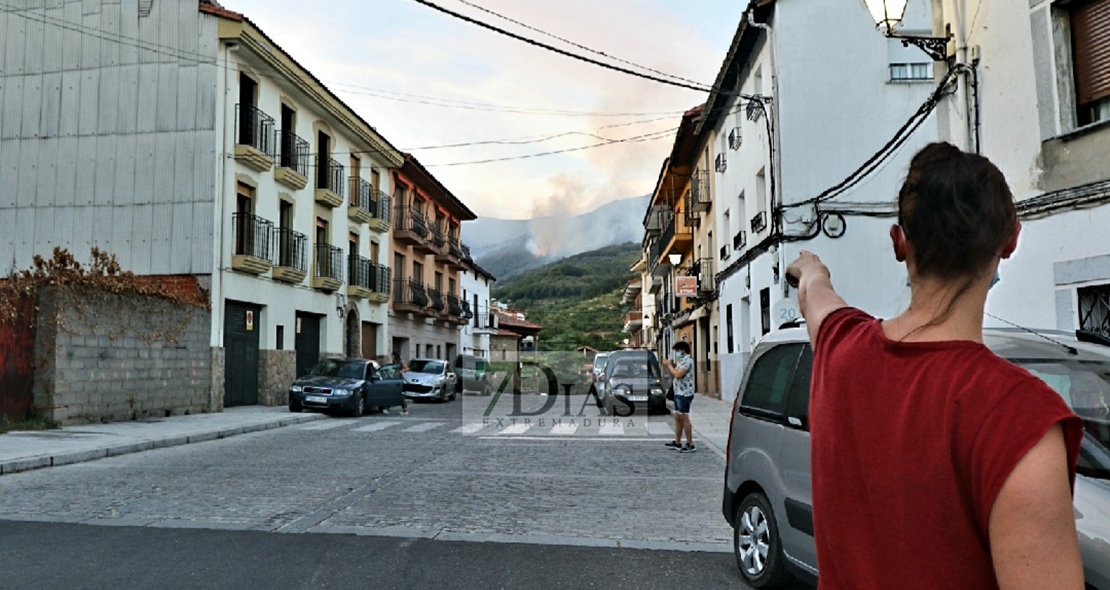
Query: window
point(323, 160)
point(399, 265)
point(765, 308)
point(728, 328)
point(908, 72)
point(766, 393)
point(439, 281)
point(797, 407)
point(281, 337)
point(1090, 38)
point(1094, 309)
point(417, 271)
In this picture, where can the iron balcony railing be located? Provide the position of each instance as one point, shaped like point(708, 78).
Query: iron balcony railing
point(454, 248)
point(465, 251)
point(703, 270)
point(360, 272)
point(329, 262)
point(291, 249)
point(437, 235)
point(467, 312)
point(294, 152)
point(454, 306)
point(330, 176)
point(380, 203)
point(724, 252)
point(690, 213)
point(720, 163)
point(759, 222)
point(255, 128)
point(734, 138)
point(381, 279)
point(699, 191)
point(410, 219)
point(252, 235)
point(409, 292)
point(740, 240)
point(361, 193)
point(435, 299)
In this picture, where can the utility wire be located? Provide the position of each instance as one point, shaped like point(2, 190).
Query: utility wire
point(199, 58)
point(583, 58)
point(637, 139)
point(578, 45)
point(534, 139)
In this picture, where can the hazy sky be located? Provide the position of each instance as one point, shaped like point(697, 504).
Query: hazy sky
point(360, 48)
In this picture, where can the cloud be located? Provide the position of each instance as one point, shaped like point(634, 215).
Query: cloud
point(401, 46)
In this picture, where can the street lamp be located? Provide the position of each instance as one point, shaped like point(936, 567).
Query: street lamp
point(888, 14)
point(340, 305)
point(676, 259)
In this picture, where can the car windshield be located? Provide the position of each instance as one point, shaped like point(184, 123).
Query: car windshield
point(636, 367)
point(1085, 386)
point(337, 368)
point(425, 366)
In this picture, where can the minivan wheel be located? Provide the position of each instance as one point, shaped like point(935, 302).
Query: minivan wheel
point(757, 545)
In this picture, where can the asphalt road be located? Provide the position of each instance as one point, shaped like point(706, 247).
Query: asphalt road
point(457, 495)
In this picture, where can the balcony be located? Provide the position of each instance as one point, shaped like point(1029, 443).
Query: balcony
point(329, 183)
point(409, 297)
point(467, 312)
point(435, 300)
point(699, 192)
point(703, 270)
point(380, 208)
point(759, 222)
point(676, 237)
point(328, 275)
point(252, 237)
point(409, 227)
point(754, 110)
point(633, 321)
point(367, 280)
point(464, 251)
point(484, 322)
point(358, 209)
point(294, 159)
point(254, 137)
point(291, 264)
point(734, 138)
point(720, 163)
point(438, 241)
point(740, 240)
point(725, 252)
point(655, 220)
point(455, 313)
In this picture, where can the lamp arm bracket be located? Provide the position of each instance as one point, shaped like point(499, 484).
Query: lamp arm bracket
point(935, 47)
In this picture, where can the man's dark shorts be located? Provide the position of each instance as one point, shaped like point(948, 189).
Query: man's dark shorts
point(682, 404)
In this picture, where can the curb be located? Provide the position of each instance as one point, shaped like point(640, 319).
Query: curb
point(71, 457)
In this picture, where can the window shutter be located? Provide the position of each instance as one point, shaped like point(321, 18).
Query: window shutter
point(1090, 25)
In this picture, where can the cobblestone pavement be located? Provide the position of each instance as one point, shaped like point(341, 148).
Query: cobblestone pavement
point(438, 473)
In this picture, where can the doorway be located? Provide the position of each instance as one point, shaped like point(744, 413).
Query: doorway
point(307, 342)
point(241, 344)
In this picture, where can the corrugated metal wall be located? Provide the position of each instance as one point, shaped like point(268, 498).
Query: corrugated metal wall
point(107, 132)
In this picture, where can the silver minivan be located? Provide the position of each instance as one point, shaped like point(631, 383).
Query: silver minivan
point(767, 496)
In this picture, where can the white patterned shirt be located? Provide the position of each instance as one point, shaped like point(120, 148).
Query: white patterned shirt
point(684, 385)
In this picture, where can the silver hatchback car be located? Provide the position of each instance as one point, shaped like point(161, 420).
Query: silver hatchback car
point(767, 496)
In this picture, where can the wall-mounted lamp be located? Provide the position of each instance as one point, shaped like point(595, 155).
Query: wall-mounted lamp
point(340, 305)
point(675, 259)
point(888, 14)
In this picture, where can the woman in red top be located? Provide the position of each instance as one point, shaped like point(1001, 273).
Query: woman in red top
point(936, 463)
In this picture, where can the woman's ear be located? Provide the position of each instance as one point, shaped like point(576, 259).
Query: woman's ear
point(898, 240)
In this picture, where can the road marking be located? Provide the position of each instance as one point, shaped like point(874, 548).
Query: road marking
point(470, 428)
point(375, 427)
point(581, 438)
point(426, 426)
point(564, 429)
point(326, 425)
point(516, 429)
point(659, 428)
point(614, 428)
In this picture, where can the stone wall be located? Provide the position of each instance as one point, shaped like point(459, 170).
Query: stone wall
point(104, 357)
point(277, 369)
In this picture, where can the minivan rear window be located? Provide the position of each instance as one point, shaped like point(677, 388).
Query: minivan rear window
point(768, 383)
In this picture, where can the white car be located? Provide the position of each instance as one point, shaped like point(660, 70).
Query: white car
point(430, 379)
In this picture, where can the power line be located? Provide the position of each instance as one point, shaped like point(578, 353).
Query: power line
point(637, 139)
point(590, 60)
point(535, 139)
point(199, 58)
point(578, 45)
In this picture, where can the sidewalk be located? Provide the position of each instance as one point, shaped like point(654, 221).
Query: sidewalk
point(22, 451)
point(711, 418)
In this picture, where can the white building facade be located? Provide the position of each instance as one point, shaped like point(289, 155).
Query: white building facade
point(800, 124)
point(1043, 104)
point(474, 336)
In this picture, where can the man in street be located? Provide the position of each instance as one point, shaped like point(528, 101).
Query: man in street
point(682, 381)
point(396, 358)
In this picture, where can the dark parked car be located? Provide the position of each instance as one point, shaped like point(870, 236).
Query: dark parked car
point(473, 374)
point(631, 381)
point(351, 386)
point(430, 379)
point(768, 498)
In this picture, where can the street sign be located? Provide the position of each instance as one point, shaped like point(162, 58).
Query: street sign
point(685, 286)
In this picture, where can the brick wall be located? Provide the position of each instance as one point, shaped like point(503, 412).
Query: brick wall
point(103, 357)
